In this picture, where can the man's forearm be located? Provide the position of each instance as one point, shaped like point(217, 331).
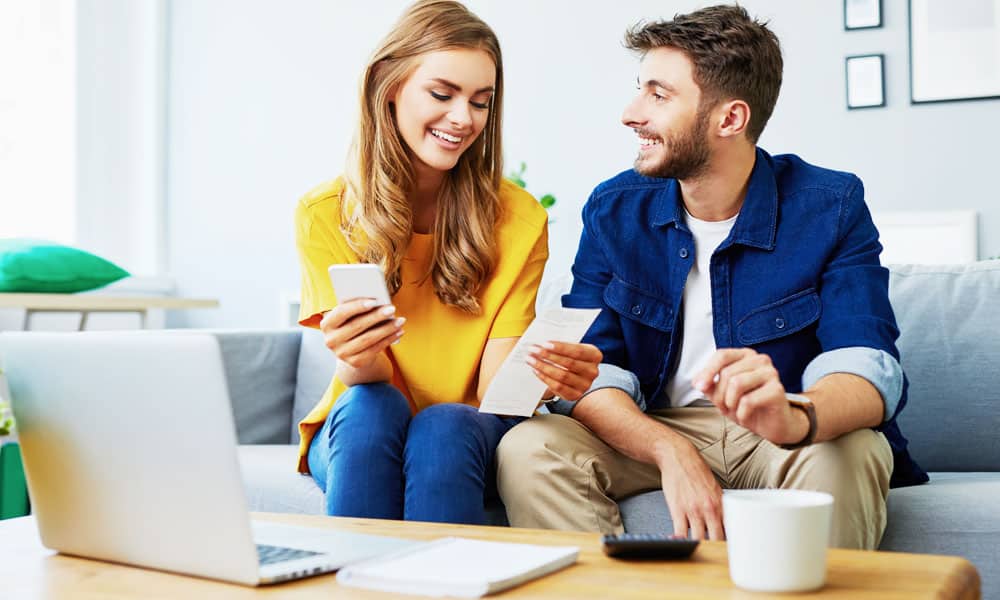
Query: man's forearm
point(613, 416)
point(844, 403)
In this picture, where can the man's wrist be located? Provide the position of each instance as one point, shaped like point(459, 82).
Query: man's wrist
point(803, 430)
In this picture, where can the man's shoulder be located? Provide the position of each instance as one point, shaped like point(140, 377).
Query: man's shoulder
point(794, 175)
point(627, 181)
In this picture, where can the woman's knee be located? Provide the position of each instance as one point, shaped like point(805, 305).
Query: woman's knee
point(371, 404)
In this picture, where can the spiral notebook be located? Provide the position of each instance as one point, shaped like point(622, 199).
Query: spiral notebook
point(457, 567)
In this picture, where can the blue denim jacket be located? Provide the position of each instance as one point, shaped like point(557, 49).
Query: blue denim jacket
point(798, 277)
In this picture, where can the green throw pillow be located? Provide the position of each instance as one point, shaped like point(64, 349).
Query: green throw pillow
point(37, 266)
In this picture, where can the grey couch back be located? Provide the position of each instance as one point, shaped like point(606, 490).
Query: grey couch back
point(949, 318)
point(260, 373)
point(949, 343)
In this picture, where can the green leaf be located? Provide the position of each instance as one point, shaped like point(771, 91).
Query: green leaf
point(517, 176)
point(547, 201)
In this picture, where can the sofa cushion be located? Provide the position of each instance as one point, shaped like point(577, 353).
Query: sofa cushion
point(316, 368)
point(260, 372)
point(956, 513)
point(272, 484)
point(949, 343)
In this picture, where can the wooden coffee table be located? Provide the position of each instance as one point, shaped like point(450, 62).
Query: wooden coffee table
point(28, 571)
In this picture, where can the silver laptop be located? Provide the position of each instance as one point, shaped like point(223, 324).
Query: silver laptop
point(130, 454)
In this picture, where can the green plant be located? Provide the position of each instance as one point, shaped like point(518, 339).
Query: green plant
point(6, 419)
point(547, 201)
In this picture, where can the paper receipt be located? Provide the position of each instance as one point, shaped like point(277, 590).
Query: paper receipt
point(515, 389)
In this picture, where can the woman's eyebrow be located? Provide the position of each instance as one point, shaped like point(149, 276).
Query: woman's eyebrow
point(458, 88)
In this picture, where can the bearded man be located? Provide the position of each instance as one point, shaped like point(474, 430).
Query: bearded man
point(747, 334)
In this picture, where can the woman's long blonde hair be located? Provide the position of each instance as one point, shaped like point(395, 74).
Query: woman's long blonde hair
point(378, 218)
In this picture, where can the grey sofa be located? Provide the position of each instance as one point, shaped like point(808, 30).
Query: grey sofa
point(949, 319)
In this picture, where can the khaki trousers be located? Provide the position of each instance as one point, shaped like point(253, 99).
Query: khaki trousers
point(554, 473)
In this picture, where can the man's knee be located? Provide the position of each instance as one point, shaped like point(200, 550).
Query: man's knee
point(527, 444)
point(862, 456)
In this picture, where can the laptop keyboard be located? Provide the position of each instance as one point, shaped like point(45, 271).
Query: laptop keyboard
point(268, 555)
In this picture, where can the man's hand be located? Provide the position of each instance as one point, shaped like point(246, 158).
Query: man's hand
point(567, 369)
point(747, 389)
point(693, 495)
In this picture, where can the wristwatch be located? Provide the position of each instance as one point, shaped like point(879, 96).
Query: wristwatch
point(805, 404)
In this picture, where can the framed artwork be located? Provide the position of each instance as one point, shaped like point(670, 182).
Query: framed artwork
point(954, 50)
point(862, 14)
point(865, 80)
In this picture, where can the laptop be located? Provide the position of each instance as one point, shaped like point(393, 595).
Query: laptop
point(130, 454)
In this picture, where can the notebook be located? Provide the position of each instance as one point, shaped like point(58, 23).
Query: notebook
point(457, 567)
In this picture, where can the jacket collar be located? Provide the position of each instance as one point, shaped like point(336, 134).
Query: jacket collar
point(758, 221)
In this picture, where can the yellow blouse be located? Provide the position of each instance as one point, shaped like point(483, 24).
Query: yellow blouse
point(437, 360)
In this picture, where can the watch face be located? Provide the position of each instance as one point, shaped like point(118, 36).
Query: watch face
point(798, 399)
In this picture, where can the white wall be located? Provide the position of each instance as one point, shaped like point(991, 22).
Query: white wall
point(120, 109)
point(262, 99)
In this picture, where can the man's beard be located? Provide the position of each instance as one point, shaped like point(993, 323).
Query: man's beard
point(687, 154)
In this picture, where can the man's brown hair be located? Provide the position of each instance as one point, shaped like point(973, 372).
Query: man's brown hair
point(734, 56)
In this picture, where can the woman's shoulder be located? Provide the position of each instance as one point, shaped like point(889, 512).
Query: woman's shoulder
point(321, 206)
point(328, 194)
point(520, 207)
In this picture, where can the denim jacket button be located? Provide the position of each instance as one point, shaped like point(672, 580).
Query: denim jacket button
point(779, 323)
point(637, 310)
point(683, 252)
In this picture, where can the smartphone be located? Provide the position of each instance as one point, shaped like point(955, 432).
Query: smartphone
point(359, 281)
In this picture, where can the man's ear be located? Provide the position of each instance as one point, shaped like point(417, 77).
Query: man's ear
point(733, 118)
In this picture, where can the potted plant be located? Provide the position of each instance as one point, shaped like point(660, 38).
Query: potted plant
point(13, 491)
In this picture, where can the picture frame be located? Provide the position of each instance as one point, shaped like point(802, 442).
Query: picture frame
point(954, 50)
point(862, 14)
point(864, 77)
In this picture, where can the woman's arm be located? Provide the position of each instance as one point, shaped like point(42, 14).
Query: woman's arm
point(494, 354)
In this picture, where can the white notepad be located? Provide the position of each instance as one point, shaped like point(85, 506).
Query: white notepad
point(457, 567)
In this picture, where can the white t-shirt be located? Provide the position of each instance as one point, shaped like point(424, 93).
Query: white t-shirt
point(699, 340)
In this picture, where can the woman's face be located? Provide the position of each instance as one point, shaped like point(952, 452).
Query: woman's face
point(443, 106)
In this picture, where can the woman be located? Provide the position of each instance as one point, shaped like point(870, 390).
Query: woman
point(398, 434)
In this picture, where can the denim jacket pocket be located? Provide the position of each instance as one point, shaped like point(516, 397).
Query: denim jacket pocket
point(638, 305)
point(778, 319)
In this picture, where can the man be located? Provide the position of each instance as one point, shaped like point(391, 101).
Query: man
point(747, 334)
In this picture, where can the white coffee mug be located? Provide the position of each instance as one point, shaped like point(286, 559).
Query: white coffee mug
point(777, 539)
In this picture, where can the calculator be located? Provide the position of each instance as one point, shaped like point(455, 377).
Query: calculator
point(648, 545)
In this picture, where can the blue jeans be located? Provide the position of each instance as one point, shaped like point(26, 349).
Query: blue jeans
point(374, 459)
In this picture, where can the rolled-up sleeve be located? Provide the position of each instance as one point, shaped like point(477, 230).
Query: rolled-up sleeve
point(608, 376)
point(876, 366)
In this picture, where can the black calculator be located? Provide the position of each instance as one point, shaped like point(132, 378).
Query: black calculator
point(648, 545)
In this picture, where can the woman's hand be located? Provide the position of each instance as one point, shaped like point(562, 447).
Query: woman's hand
point(357, 331)
point(567, 369)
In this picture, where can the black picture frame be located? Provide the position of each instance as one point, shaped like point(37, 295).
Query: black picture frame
point(936, 61)
point(862, 14)
point(864, 81)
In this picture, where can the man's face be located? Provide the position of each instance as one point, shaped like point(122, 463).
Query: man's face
point(666, 115)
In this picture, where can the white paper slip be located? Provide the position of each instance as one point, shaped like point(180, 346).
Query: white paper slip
point(457, 567)
point(515, 390)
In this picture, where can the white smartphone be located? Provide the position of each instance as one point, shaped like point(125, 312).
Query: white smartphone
point(359, 281)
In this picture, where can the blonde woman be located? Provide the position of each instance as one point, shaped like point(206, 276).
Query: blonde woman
point(398, 435)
